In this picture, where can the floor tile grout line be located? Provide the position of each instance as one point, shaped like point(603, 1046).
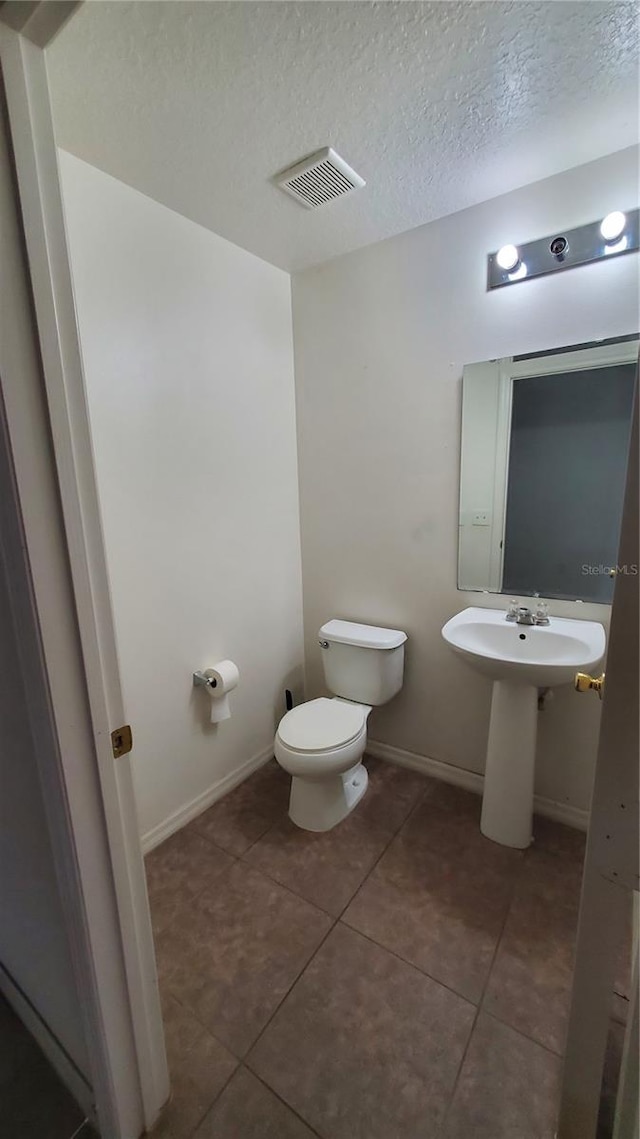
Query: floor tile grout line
point(264, 874)
point(289, 889)
point(241, 1062)
point(213, 843)
point(288, 1106)
point(193, 822)
point(432, 784)
point(334, 921)
point(409, 964)
point(479, 1006)
point(423, 795)
point(292, 986)
point(525, 1035)
point(317, 950)
point(191, 899)
point(432, 780)
point(298, 898)
point(371, 869)
point(384, 850)
point(438, 784)
point(335, 917)
point(192, 1012)
point(232, 853)
point(340, 920)
point(214, 1100)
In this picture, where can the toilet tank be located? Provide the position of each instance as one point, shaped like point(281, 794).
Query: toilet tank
point(362, 662)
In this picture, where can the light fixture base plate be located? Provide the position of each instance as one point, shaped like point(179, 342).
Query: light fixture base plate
point(584, 244)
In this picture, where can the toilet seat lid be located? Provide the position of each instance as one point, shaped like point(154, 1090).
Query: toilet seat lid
point(319, 725)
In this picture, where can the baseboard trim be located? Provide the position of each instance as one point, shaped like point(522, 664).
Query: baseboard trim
point(60, 1061)
point(191, 810)
point(473, 781)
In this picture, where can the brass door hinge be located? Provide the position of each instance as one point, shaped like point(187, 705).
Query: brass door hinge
point(121, 741)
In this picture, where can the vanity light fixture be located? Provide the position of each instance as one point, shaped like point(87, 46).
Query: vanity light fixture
point(609, 236)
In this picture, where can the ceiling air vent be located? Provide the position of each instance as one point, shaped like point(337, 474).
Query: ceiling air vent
point(319, 179)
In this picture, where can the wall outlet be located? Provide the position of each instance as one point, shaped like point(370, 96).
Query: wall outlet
point(481, 518)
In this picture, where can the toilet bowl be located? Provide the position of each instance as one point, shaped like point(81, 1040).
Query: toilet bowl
point(321, 744)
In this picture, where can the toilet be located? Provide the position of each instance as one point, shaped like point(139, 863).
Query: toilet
point(321, 742)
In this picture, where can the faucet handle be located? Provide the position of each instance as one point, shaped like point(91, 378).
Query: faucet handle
point(512, 612)
point(542, 613)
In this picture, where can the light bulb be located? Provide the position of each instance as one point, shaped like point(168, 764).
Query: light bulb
point(613, 225)
point(507, 257)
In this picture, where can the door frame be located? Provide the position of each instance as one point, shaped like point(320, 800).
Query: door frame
point(92, 814)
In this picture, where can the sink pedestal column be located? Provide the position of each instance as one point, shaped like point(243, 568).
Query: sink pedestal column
point(507, 803)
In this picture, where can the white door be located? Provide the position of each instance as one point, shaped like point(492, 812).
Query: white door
point(611, 866)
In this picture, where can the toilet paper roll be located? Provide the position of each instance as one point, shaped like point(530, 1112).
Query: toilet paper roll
point(225, 676)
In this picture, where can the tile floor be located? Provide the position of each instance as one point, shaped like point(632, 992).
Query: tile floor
point(400, 977)
point(34, 1102)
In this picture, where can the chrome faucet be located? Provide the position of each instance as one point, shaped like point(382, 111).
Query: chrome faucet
point(522, 615)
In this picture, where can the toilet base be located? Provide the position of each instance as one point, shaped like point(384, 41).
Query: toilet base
point(319, 805)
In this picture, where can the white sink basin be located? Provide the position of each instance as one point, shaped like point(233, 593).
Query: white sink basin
point(539, 655)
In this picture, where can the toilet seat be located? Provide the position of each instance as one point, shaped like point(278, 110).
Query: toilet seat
point(322, 725)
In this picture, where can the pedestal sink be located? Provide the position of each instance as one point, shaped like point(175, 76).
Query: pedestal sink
point(520, 659)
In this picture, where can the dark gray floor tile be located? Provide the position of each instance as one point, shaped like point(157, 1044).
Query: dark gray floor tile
point(530, 983)
point(392, 793)
point(441, 910)
point(448, 822)
point(242, 817)
point(235, 951)
point(181, 868)
point(365, 1046)
point(508, 1087)
point(326, 869)
point(199, 1067)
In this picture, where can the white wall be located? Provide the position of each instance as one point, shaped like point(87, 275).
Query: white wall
point(188, 357)
point(381, 337)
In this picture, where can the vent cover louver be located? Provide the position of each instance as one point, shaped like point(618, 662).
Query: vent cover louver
point(319, 179)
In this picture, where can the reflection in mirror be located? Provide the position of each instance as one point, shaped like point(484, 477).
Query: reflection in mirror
point(544, 454)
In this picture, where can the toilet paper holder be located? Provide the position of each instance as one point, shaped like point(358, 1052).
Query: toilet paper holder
point(202, 681)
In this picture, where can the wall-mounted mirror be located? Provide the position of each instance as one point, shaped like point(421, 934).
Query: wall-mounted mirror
point(544, 455)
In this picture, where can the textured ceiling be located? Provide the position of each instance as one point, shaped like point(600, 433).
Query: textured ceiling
point(438, 105)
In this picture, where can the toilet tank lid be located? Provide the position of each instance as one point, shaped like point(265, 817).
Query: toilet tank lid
point(363, 636)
